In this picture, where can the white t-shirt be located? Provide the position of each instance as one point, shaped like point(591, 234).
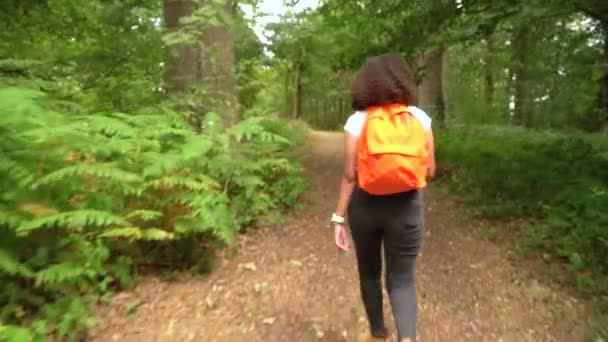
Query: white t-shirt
point(354, 124)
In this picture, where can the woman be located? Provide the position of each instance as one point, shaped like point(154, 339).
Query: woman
point(395, 219)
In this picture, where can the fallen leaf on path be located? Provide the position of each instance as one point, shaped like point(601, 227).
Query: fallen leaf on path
point(257, 287)
point(269, 320)
point(295, 263)
point(169, 330)
point(210, 303)
point(248, 266)
point(537, 291)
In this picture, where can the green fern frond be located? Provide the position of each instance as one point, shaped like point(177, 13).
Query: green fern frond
point(72, 219)
point(145, 215)
point(11, 266)
point(251, 128)
point(212, 123)
point(132, 233)
point(182, 198)
point(156, 234)
point(8, 219)
point(106, 172)
point(197, 147)
point(225, 225)
point(128, 145)
point(162, 164)
point(59, 273)
point(18, 100)
point(15, 171)
point(135, 233)
point(18, 64)
point(190, 183)
point(209, 213)
point(161, 132)
point(185, 225)
point(67, 134)
point(13, 333)
point(109, 126)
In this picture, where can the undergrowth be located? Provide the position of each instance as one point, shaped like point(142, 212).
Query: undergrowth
point(88, 196)
point(559, 180)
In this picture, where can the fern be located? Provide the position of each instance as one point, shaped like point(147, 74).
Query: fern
point(196, 148)
point(69, 134)
point(72, 220)
point(11, 266)
point(161, 165)
point(252, 128)
point(15, 171)
point(144, 215)
point(60, 273)
point(106, 172)
point(126, 146)
point(135, 233)
point(81, 187)
point(8, 219)
point(12, 333)
point(110, 126)
point(189, 183)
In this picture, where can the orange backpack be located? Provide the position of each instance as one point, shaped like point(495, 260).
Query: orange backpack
point(393, 151)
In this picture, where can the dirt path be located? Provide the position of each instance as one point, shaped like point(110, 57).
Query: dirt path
point(288, 283)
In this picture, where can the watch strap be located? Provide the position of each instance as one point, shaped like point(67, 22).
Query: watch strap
point(337, 219)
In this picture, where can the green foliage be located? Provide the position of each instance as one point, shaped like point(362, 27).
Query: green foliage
point(85, 190)
point(100, 168)
point(559, 179)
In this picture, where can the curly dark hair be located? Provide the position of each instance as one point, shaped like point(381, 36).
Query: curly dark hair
point(383, 80)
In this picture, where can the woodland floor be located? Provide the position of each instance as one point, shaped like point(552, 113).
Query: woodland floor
point(288, 282)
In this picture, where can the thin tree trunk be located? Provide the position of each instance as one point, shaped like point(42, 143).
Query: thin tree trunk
point(431, 96)
point(521, 112)
point(288, 97)
point(297, 90)
point(603, 94)
point(489, 70)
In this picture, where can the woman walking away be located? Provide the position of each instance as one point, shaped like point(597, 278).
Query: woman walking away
point(389, 153)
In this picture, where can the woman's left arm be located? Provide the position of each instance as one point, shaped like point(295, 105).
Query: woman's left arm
point(346, 189)
point(349, 177)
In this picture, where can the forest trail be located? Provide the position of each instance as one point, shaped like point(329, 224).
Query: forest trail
point(287, 282)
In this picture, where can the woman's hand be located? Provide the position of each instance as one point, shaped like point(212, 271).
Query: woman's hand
point(341, 237)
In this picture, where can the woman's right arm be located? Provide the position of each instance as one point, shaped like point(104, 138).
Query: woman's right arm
point(432, 166)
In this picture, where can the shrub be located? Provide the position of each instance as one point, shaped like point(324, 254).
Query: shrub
point(559, 179)
point(88, 195)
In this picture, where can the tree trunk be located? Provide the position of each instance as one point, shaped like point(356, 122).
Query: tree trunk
point(297, 91)
point(431, 96)
point(181, 63)
point(210, 66)
point(603, 94)
point(521, 112)
point(489, 70)
point(287, 95)
point(217, 60)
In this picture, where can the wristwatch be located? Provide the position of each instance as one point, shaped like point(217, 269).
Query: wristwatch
point(337, 219)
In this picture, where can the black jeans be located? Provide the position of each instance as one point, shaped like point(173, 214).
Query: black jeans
point(397, 221)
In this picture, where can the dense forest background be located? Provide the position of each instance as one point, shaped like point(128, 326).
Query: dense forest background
point(142, 135)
